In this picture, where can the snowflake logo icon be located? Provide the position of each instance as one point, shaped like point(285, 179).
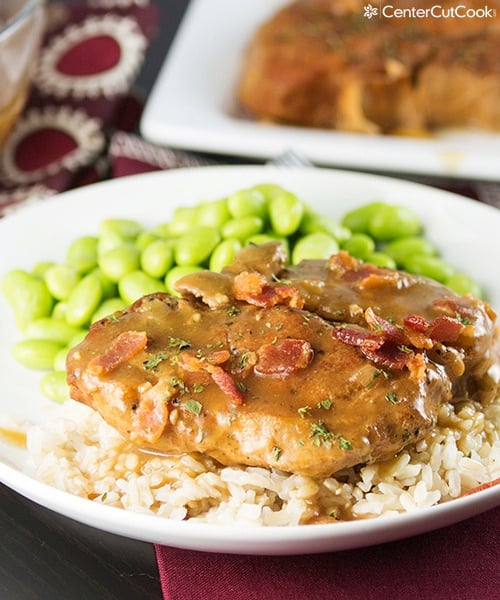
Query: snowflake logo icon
point(370, 11)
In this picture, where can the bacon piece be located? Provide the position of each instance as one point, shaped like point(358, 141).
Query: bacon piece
point(363, 275)
point(382, 351)
point(445, 329)
point(440, 329)
point(124, 347)
point(389, 355)
point(211, 364)
point(287, 356)
point(227, 385)
point(384, 328)
point(253, 289)
point(357, 336)
point(149, 420)
point(342, 262)
point(417, 323)
point(247, 285)
point(458, 306)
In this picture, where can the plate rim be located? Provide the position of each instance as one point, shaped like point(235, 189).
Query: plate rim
point(261, 539)
point(201, 121)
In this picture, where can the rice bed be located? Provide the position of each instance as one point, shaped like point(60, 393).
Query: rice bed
point(79, 453)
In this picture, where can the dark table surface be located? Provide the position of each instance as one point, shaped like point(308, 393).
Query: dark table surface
point(46, 556)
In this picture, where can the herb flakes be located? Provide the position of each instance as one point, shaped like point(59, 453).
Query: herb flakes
point(193, 406)
point(321, 435)
point(178, 344)
point(151, 364)
point(392, 397)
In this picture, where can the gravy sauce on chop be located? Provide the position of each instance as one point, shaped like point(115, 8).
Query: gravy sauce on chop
point(293, 368)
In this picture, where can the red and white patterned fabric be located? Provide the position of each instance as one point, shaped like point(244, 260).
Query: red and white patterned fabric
point(81, 97)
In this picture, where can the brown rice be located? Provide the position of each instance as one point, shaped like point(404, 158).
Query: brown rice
point(79, 453)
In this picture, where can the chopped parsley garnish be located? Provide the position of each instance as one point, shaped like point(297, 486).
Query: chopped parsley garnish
point(233, 311)
point(463, 320)
point(304, 411)
point(326, 404)
point(241, 386)
point(276, 453)
point(178, 343)
point(193, 406)
point(154, 360)
point(178, 383)
point(405, 349)
point(343, 443)
point(322, 435)
point(242, 361)
point(375, 375)
point(392, 397)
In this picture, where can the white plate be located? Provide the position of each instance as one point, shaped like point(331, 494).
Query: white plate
point(466, 231)
point(193, 106)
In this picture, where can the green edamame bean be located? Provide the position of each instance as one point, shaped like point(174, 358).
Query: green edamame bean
point(157, 258)
point(48, 328)
point(144, 239)
point(313, 223)
point(28, 295)
point(406, 248)
point(36, 354)
point(109, 288)
point(108, 241)
point(359, 245)
point(184, 219)
point(59, 310)
point(392, 222)
point(195, 246)
point(53, 385)
point(162, 231)
point(463, 284)
point(269, 190)
point(126, 229)
point(213, 213)
point(430, 266)
point(176, 273)
point(82, 254)
point(314, 246)
point(84, 300)
point(61, 280)
point(224, 254)
point(247, 203)
point(285, 213)
point(119, 261)
point(381, 260)
point(108, 307)
point(60, 359)
point(136, 284)
point(41, 268)
point(358, 219)
point(243, 228)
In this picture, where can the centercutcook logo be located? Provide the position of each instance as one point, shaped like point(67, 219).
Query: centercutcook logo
point(436, 11)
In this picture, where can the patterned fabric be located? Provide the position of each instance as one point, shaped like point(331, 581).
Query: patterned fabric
point(75, 125)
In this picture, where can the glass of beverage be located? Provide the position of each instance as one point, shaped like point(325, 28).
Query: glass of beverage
point(21, 31)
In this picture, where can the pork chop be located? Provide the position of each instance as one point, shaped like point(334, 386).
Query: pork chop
point(321, 63)
point(242, 370)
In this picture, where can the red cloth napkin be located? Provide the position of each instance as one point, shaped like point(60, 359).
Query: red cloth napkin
point(460, 562)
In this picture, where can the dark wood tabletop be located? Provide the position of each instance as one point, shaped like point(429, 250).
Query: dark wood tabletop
point(44, 556)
